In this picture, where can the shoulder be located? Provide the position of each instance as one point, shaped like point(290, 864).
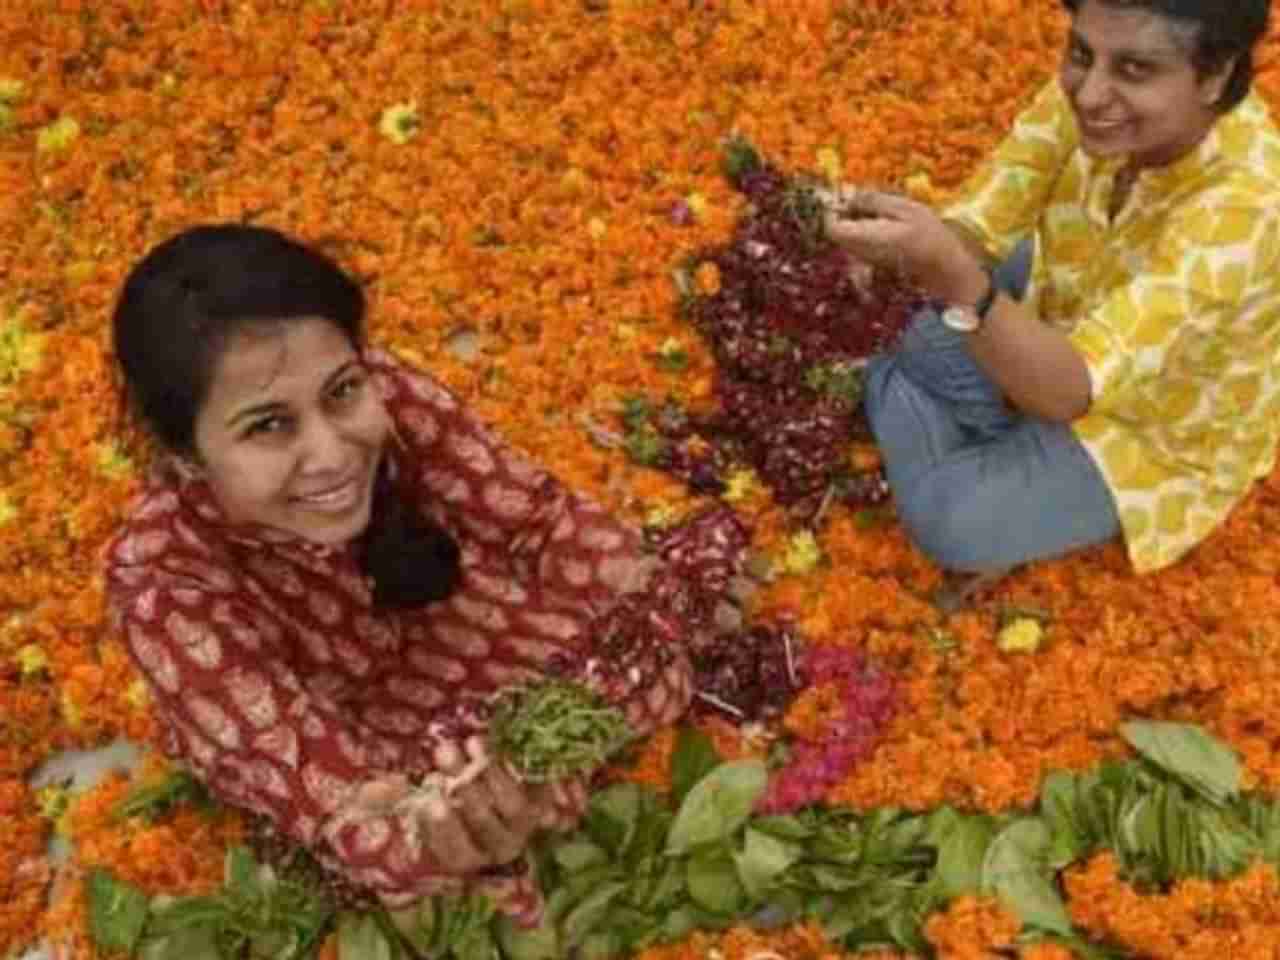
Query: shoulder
point(1249, 146)
point(165, 543)
point(402, 381)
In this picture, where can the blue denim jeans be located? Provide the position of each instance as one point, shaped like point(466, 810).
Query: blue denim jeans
point(979, 487)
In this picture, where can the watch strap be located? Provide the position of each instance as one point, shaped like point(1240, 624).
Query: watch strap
point(988, 299)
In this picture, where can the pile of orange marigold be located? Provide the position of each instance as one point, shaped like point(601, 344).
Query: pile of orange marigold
point(520, 192)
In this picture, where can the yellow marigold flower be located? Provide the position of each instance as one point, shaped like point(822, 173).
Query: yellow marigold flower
point(741, 484)
point(138, 695)
point(80, 271)
point(920, 186)
point(31, 659)
point(53, 800)
point(660, 514)
point(1021, 635)
point(400, 122)
point(597, 228)
point(58, 135)
point(113, 461)
point(70, 710)
point(11, 91)
point(802, 554)
point(8, 512)
point(697, 204)
point(707, 278)
point(20, 349)
point(830, 164)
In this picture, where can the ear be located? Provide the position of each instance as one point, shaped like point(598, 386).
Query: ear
point(1214, 85)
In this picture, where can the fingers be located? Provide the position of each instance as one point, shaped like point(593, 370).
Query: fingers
point(449, 841)
point(509, 797)
point(498, 840)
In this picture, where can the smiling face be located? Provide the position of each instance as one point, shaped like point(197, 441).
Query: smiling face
point(1129, 76)
point(292, 430)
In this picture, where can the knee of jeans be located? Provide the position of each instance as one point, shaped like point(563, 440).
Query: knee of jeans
point(942, 525)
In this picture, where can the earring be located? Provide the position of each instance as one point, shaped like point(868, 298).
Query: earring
point(187, 469)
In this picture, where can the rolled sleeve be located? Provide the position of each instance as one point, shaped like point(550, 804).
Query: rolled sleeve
point(1000, 203)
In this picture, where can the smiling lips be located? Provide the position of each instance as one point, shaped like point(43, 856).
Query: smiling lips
point(334, 499)
point(1101, 126)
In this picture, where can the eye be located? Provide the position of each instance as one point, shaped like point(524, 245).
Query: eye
point(348, 388)
point(1078, 53)
point(1134, 69)
point(266, 426)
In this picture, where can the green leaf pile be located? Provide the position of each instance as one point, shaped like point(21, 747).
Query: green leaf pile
point(645, 868)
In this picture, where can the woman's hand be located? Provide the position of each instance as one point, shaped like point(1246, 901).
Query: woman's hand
point(664, 700)
point(896, 233)
point(486, 823)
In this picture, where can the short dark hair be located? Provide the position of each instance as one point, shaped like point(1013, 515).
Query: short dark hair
point(1227, 29)
point(180, 308)
point(190, 295)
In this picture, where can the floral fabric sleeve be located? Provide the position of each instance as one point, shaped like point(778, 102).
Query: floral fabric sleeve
point(567, 546)
point(999, 204)
point(249, 727)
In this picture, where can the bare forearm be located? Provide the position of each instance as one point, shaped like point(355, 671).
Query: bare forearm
point(1035, 365)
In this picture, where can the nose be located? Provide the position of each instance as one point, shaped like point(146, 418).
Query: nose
point(323, 447)
point(1092, 91)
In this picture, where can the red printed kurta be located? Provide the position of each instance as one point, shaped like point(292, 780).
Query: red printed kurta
point(287, 691)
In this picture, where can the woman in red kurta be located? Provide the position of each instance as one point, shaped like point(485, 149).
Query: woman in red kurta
point(302, 665)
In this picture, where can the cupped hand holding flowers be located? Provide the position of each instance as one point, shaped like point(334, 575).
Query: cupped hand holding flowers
point(896, 233)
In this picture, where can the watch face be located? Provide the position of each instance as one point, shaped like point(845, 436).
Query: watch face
point(962, 319)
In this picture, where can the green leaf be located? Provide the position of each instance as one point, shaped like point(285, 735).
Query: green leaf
point(670, 883)
point(172, 916)
point(361, 937)
point(599, 946)
point(961, 855)
point(789, 827)
point(240, 873)
point(117, 911)
point(517, 943)
point(156, 799)
point(1015, 870)
point(612, 816)
point(713, 882)
point(579, 854)
point(681, 922)
point(1190, 755)
point(187, 943)
point(695, 756)
point(717, 805)
point(582, 919)
point(1262, 815)
point(762, 860)
point(1059, 808)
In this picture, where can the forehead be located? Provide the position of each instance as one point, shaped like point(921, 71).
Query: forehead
point(279, 362)
point(1113, 29)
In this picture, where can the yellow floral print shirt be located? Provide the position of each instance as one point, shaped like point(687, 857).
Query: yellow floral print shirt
point(1175, 307)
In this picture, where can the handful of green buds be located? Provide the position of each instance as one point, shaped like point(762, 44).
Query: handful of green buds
point(554, 730)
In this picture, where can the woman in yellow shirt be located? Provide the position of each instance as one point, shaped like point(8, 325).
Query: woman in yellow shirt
point(1117, 373)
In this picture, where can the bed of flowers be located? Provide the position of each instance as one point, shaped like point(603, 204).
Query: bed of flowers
point(1080, 762)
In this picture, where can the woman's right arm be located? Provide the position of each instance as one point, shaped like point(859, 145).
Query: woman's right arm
point(250, 728)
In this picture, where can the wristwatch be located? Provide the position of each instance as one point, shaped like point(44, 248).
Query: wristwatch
point(968, 319)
